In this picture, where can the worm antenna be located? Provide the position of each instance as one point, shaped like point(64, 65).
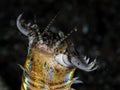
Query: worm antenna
point(51, 22)
point(65, 37)
point(36, 27)
point(40, 39)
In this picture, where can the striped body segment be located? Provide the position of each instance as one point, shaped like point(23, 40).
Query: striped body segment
point(42, 72)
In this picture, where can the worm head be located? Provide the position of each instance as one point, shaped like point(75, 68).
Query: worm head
point(50, 41)
point(46, 40)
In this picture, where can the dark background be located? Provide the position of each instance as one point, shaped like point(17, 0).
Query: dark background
point(98, 24)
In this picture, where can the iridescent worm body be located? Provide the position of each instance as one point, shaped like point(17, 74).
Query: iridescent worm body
point(49, 64)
